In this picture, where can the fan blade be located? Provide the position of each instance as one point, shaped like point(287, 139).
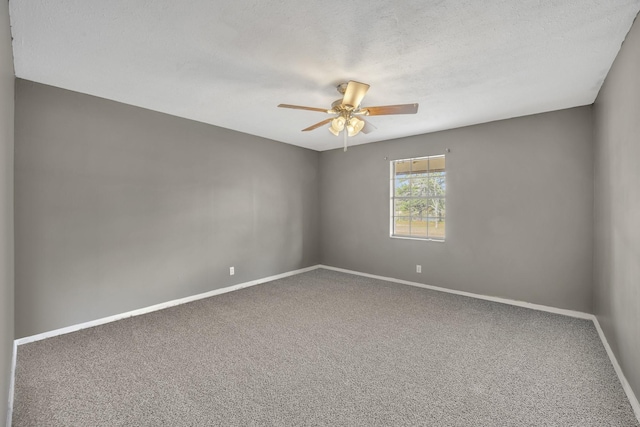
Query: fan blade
point(368, 127)
point(317, 125)
point(392, 109)
point(300, 107)
point(354, 93)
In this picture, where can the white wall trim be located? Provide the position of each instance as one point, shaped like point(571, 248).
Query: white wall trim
point(539, 307)
point(156, 307)
point(623, 380)
point(571, 313)
point(12, 382)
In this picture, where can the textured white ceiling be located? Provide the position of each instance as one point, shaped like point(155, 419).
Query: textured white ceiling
point(229, 63)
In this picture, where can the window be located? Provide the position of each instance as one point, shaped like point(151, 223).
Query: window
point(418, 188)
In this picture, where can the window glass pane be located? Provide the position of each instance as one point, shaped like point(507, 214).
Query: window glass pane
point(402, 226)
point(436, 228)
point(402, 168)
point(402, 207)
point(437, 207)
point(436, 185)
point(418, 227)
point(436, 164)
point(402, 186)
point(418, 207)
point(419, 167)
point(419, 186)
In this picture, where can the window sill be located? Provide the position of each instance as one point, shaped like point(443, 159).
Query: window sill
point(417, 238)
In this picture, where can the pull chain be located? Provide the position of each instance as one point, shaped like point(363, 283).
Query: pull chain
point(345, 139)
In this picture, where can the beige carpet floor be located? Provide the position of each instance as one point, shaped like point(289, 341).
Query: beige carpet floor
point(325, 348)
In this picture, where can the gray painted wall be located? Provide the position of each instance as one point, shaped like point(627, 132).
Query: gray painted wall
point(519, 210)
point(617, 207)
point(119, 208)
point(6, 207)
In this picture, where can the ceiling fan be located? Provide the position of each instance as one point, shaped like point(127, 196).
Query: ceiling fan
point(348, 113)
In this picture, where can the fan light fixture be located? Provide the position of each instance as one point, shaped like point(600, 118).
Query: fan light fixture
point(349, 114)
point(337, 125)
point(355, 126)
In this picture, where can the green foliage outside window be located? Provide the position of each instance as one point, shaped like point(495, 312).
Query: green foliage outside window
point(419, 206)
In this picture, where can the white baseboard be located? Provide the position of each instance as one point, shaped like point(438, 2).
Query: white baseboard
point(157, 307)
point(623, 380)
point(565, 312)
point(571, 313)
point(12, 382)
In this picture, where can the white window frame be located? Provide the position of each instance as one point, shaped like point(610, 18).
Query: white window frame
point(392, 198)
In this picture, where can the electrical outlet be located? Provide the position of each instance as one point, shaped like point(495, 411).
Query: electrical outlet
point(418, 268)
point(232, 271)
